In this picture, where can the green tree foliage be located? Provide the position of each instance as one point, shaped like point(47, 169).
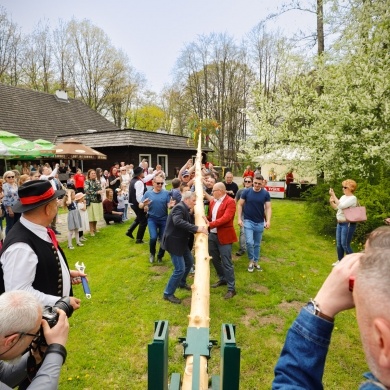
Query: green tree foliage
point(147, 117)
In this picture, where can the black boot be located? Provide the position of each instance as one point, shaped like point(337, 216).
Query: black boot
point(129, 233)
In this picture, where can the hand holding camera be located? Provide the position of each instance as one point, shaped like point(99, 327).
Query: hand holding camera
point(54, 325)
point(58, 333)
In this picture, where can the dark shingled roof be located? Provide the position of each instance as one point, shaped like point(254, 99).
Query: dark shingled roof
point(139, 138)
point(33, 115)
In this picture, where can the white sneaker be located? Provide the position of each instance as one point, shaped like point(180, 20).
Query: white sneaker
point(257, 266)
point(335, 263)
point(82, 238)
point(70, 247)
point(250, 267)
point(80, 244)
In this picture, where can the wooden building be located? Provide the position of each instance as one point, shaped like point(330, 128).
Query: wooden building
point(55, 117)
point(131, 146)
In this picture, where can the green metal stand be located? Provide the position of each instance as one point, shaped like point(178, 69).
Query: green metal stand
point(230, 361)
point(158, 357)
point(197, 343)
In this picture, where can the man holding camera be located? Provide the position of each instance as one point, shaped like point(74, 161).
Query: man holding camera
point(20, 325)
point(31, 258)
point(361, 280)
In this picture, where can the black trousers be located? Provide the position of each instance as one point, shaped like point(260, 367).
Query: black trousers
point(112, 217)
point(141, 220)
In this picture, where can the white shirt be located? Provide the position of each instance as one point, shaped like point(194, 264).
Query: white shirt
point(52, 181)
point(139, 186)
point(125, 179)
point(217, 203)
point(19, 264)
point(345, 202)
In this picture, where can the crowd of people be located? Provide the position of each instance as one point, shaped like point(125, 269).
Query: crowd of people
point(34, 270)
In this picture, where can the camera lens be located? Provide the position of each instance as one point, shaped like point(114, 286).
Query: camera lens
point(64, 304)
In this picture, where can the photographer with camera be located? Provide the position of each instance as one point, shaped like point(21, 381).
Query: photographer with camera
point(361, 280)
point(31, 258)
point(21, 325)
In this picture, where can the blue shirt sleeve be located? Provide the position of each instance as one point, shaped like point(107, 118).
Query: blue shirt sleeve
point(302, 360)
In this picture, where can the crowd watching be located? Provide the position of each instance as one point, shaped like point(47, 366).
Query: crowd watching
point(30, 195)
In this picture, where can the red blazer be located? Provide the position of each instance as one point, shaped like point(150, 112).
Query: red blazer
point(224, 222)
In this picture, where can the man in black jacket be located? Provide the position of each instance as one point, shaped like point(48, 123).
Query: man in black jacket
point(176, 240)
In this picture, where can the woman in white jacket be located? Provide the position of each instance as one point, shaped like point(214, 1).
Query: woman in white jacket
point(345, 230)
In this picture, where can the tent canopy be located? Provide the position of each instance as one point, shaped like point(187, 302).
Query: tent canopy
point(74, 149)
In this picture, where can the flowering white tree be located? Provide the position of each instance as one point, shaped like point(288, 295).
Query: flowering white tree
point(345, 129)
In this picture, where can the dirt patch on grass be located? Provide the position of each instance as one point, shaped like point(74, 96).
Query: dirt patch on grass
point(293, 305)
point(160, 269)
point(260, 289)
point(256, 317)
point(275, 321)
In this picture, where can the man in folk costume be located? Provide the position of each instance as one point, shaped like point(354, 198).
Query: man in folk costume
point(137, 188)
point(31, 259)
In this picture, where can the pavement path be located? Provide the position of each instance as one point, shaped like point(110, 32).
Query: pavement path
point(62, 227)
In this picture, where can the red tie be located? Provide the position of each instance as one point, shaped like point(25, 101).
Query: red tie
point(53, 237)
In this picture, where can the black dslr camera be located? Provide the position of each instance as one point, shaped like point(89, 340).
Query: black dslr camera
point(51, 316)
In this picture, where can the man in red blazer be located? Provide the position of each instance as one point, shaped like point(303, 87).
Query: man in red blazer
point(222, 235)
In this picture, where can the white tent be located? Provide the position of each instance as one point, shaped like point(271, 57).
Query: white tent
point(282, 160)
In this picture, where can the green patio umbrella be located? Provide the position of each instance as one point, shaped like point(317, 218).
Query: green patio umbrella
point(46, 148)
point(11, 145)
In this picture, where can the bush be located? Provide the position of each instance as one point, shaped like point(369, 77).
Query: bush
point(375, 197)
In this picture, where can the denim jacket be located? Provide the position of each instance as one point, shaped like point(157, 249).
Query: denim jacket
point(302, 360)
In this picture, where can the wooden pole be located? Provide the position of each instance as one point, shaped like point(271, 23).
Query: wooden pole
point(200, 302)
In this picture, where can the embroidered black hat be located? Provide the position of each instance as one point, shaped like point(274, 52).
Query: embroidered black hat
point(35, 193)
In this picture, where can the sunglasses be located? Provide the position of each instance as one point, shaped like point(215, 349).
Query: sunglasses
point(160, 183)
point(247, 181)
point(344, 188)
point(10, 177)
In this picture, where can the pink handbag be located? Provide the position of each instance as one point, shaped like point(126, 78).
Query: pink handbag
point(355, 214)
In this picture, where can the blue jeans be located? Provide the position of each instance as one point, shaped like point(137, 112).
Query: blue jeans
point(253, 235)
point(156, 228)
point(344, 233)
point(124, 216)
point(182, 266)
point(242, 239)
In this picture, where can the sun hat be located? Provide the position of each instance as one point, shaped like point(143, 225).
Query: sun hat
point(79, 195)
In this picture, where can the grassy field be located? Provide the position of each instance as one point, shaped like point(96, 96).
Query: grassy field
point(107, 347)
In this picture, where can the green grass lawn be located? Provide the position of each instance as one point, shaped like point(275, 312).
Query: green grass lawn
point(107, 346)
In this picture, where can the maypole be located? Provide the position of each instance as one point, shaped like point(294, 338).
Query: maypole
point(199, 317)
point(197, 345)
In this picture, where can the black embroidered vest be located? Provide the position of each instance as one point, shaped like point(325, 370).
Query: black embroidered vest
point(48, 277)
